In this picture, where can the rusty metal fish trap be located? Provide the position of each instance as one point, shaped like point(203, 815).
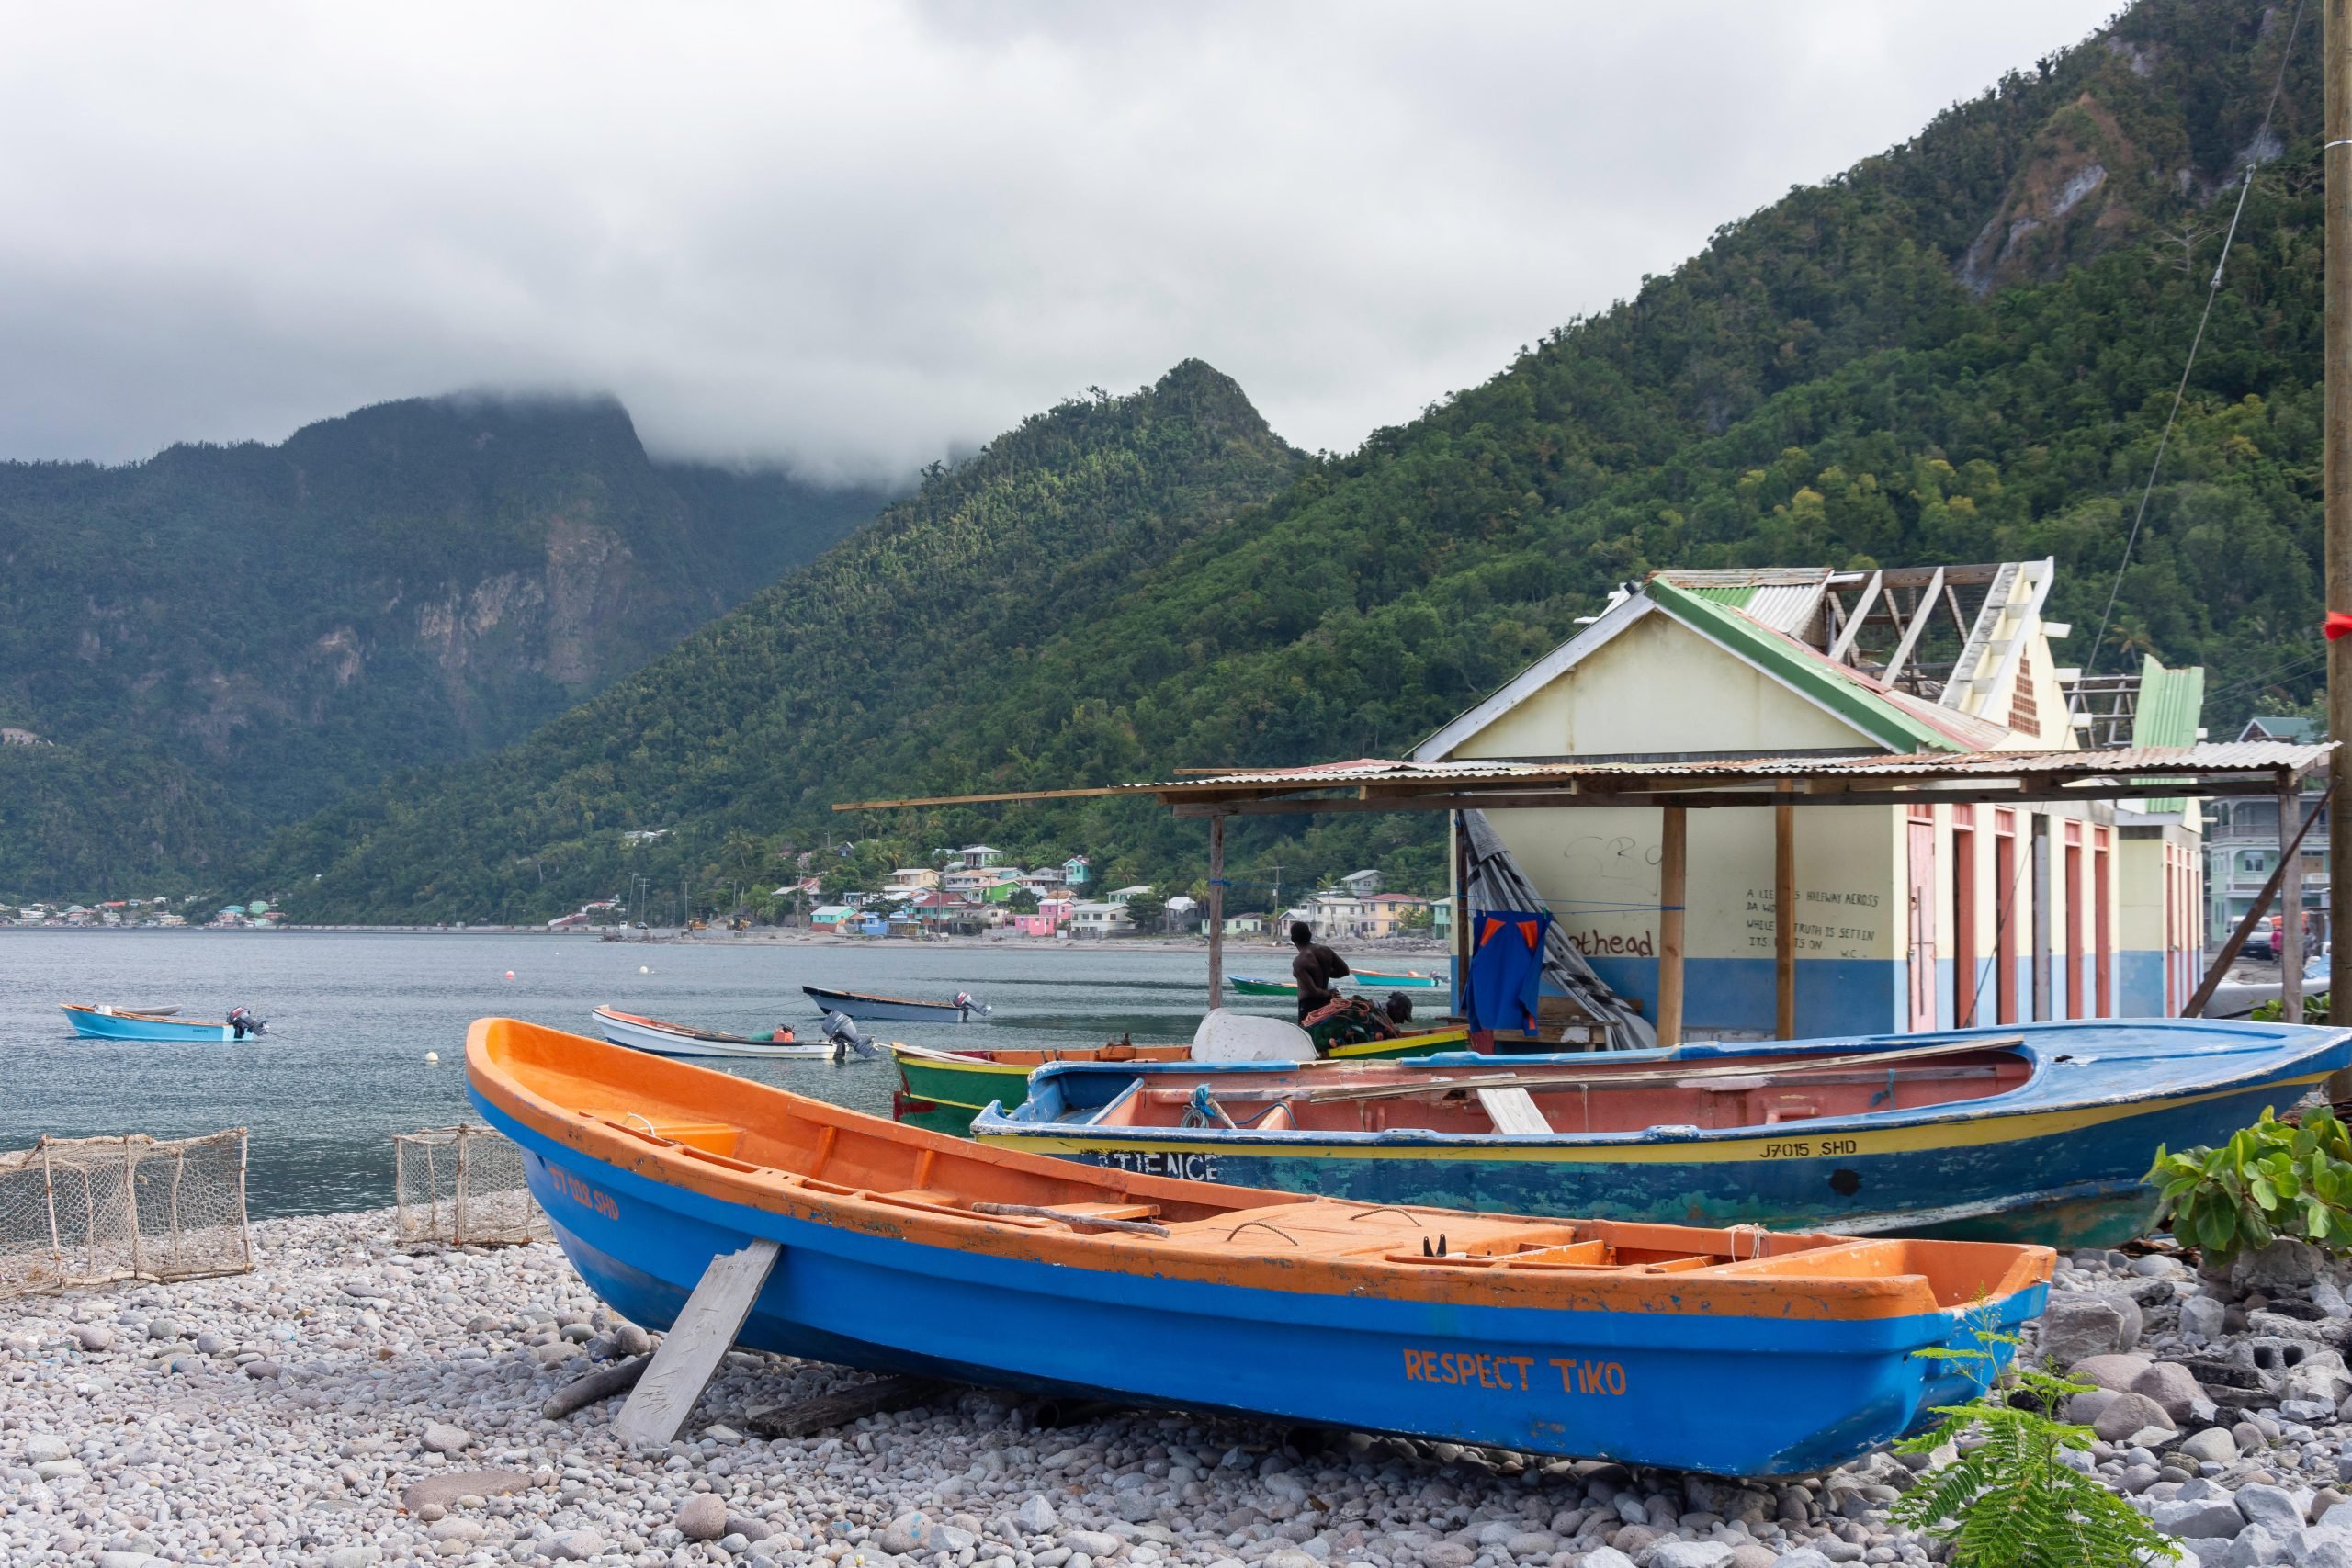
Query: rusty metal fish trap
point(77, 1212)
point(462, 1186)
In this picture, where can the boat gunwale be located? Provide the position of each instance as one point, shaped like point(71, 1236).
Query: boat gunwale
point(1717, 1291)
point(2006, 1105)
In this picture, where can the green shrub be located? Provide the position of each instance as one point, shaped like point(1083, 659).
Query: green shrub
point(2009, 1501)
point(2274, 1179)
point(2275, 1010)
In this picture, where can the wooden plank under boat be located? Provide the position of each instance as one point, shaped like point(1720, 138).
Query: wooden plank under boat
point(2023, 1132)
point(93, 1022)
point(665, 1039)
point(865, 1006)
point(970, 1080)
point(908, 1251)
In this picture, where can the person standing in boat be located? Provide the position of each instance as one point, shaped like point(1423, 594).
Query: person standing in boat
point(1315, 970)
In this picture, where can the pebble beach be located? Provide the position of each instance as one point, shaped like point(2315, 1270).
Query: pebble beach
point(353, 1403)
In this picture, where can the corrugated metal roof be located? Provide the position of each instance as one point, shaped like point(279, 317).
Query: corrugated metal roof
point(2169, 706)
point(2206, 759)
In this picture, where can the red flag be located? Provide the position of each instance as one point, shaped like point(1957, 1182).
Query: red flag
point(2338, 623)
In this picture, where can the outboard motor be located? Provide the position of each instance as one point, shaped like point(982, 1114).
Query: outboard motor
point(242, 1023)
point(966, 1005)
point(841, 1033)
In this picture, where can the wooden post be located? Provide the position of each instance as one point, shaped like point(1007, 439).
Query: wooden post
point(1673, 857)
point(1216, 913)
point(1461, 910)
point(2291, 901)
point(2335, 448)
point(1784, 915)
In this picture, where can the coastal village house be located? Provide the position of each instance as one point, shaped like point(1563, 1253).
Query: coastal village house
point(1099, 919)
point(1343, 913)
point(2242, 842)
point(1911, 916)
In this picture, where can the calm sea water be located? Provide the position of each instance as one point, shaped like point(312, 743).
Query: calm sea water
point(351, 1017)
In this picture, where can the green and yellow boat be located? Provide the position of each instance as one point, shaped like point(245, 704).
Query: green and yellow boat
point(972, 1080)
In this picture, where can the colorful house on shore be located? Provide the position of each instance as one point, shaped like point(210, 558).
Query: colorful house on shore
point(1911, 916)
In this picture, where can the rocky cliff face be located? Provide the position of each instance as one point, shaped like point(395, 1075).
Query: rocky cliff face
point(414, 582)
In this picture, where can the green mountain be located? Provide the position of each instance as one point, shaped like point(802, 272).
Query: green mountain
point(1962, 349)
point(220, 640)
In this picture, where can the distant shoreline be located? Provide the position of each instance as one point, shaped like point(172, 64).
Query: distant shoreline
point(1401, 948)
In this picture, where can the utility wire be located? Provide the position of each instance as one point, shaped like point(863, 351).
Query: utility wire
point(2180, 394)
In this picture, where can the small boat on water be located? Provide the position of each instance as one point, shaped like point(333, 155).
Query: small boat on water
point(971, 1080)
point(907, 1251)
point(99, 1023)
point(1362, 979)
point(2028, 1133)
point(896, 1010)
point(665, 1039)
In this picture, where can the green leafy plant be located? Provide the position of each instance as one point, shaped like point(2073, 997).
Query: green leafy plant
point(2009, 1500)
point(2272, 1179)
point(2275, 1010)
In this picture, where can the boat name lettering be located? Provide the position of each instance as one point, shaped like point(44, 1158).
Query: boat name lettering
point(1805, 1148)
point(580, 1193)
point(1160, 1162)
point(1510, 1372)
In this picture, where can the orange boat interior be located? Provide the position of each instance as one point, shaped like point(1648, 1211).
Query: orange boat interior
point(1377, 1097)
point(750, 1143)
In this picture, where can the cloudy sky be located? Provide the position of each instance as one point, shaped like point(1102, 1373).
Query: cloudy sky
point(853, 237)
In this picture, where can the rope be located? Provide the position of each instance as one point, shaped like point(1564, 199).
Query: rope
point(2180, 394)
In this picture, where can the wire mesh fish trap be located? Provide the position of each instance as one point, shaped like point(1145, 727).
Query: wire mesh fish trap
point(463, 1186)
point(78, 1212)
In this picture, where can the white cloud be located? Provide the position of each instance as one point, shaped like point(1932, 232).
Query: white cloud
point(850, 237)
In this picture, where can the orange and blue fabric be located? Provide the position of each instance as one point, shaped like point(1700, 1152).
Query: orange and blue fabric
point(1506, 969)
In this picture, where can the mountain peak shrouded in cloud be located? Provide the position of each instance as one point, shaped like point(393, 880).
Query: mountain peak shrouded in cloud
point(855, 238)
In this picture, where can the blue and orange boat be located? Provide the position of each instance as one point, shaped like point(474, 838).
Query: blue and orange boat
point(903, 1250)
point(2035, 1132)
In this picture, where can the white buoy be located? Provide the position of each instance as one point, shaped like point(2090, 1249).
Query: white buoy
point(643, 969)
point(433, 1058)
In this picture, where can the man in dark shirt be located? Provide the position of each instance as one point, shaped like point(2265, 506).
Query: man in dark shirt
point(1315, 969)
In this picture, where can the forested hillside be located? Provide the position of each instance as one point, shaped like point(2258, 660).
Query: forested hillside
point(1961, 349)
point(220, 640)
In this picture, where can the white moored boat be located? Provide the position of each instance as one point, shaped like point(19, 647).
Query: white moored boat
point(678, 1040)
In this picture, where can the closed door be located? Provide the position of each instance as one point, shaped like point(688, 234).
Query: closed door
point(1923, 925)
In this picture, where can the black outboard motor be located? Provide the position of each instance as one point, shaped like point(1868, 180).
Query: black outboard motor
point(242, 1023)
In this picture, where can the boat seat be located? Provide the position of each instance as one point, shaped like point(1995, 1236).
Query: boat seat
point(710, 1137)
point(1514, 1111)
point(1108, 1211)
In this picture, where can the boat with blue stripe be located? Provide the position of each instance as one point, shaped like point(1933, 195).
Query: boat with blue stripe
point(2033, 1132)
point(98, 1022)
point(903, 1250)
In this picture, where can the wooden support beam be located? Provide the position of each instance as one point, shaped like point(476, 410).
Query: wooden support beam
point(1217, 910)
point(1784, 917)
point(1921, 614)
point(1673, 859)
point(1841, 651)
point(2290, 903)
point(690, 1352)
point(839, 1406)
point(1460, 911)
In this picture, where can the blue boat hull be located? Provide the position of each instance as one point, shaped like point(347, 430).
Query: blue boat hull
point(2064, 1175)
point(118, 1026)
point(1638, 1388)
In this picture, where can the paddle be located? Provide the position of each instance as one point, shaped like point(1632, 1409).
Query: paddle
point(1505, 1078)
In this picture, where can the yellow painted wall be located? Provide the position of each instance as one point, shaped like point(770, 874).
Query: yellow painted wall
point(1659, 686)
